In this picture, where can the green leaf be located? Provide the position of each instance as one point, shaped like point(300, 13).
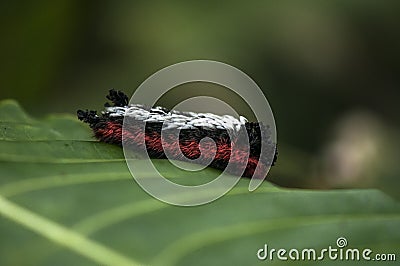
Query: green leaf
point(66, 199)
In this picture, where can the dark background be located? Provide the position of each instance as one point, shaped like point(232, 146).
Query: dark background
point(328, 68)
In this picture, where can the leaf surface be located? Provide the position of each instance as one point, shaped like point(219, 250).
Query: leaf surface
point(66, 199)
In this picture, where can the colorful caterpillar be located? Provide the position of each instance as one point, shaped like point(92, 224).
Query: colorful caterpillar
point(193, 127)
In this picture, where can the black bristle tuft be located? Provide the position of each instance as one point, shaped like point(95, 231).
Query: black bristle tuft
point(118, 98)
point(89, 117)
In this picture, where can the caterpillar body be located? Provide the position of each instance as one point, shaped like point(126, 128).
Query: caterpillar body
point(207, 136)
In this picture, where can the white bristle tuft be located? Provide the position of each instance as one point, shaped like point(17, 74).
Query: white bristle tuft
point(178, 120)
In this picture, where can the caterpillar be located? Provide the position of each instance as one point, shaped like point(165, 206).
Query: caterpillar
point(193, 128)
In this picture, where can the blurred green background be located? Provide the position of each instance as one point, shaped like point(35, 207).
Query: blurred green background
point(329, 69)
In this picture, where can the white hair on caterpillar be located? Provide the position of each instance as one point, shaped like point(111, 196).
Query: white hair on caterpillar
point(177, 119)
